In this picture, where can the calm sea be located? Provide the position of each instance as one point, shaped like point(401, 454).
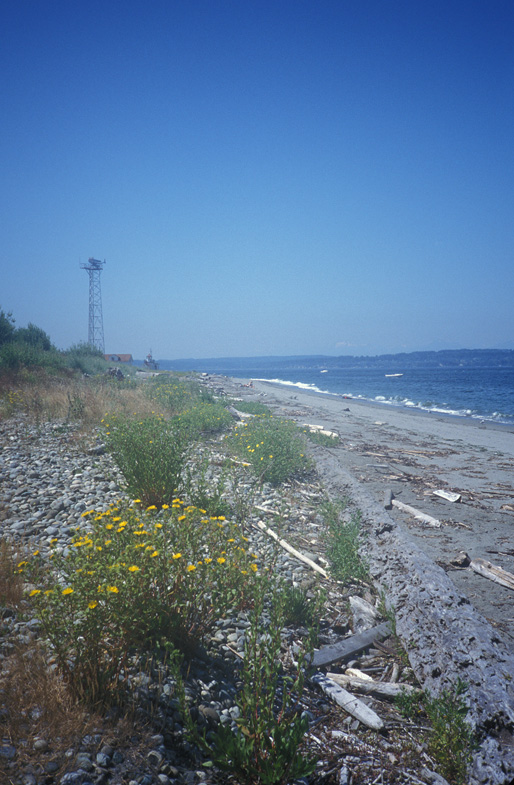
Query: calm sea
point(481, 393)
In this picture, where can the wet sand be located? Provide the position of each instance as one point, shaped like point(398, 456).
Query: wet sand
point(412, 454)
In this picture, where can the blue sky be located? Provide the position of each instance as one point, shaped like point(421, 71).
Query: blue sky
point(261, 176)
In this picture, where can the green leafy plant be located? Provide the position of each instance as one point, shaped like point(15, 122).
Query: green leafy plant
point(299, 608)
point(203, 419)
point(150, 453)
point(273, 447)
point(343, 540)
point(452, 739)
point(205, 490)
point(251, 407)
point(409, 704)
point(178, 394)
point(132, 579)
point(265, 749)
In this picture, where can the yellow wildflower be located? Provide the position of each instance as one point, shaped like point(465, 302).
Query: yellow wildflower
point(177, 555)
point(67, 591)
point(34, 592)
point(113, 589)
point(92, 604)
point(191, 567)
point(134, 568)
point(220, 560)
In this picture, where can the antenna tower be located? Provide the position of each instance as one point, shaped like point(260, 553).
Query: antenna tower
point(95, 336)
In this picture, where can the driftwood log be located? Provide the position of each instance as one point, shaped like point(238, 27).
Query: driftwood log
point(445, 637)
point(493, 572)
point(348, 702)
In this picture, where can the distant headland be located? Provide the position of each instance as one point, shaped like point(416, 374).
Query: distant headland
point(446, 358)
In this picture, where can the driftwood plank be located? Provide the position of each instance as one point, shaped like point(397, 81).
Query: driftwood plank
point(348, 702)
point(348, 647)
point(379, 689)
point(493, 572)
point(419, 516)
point(289, 548)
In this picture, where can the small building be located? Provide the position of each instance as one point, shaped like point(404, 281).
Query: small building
point(119, 358)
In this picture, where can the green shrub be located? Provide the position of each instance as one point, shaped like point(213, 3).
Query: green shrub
point(150, 454)
point(343, 541)
point(451, 740)
point(178, 394)
point(273, 447)
point(135, 579)
point(86, 358)
point(205, 490)
point(17, 355)
point(251, 407)
point(266, 747)
point(204, 419)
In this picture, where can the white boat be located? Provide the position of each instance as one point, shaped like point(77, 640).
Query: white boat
point(325, 371)
point(394, 374)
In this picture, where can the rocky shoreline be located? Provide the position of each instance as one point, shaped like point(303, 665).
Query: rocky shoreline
point(50, 474)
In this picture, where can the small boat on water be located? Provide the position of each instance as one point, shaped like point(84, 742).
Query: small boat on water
point(324, 371)
point(393, 374)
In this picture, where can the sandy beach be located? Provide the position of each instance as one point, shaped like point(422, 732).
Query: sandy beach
point(412, 453)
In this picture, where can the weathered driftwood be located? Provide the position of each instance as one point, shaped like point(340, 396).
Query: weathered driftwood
point(289, 548)
point(348, 702)
point(419, 516)
point(379, 689)
point(349, 647)
point(493, 572)
point(364, 614)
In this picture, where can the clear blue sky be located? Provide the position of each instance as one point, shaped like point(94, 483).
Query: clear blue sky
point(261, 176)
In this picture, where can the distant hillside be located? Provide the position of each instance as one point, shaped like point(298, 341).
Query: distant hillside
point(446, 358)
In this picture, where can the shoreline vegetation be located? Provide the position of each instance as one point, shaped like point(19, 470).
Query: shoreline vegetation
point(128, 607)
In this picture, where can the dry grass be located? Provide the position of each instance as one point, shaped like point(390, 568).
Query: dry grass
point(11, 584)
point(39, 719)
point(85, 400)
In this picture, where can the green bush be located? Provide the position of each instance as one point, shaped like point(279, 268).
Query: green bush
point(251, 407)
point(17, 355)
point(273, 447)
point(203, 419)
point(177, 394)
point(266, 747)
point(86, 358)
point(343, 542)
point(452, 740)
point(151, 455)
point(135, 579)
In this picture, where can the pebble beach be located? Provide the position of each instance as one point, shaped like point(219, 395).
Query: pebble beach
point(51, 473)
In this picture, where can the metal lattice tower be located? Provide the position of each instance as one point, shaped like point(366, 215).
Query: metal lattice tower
point(96, 323)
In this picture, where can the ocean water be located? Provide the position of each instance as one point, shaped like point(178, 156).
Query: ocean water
point(479, 393)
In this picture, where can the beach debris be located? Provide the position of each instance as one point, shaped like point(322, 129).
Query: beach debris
point(416, 514)
point(493, 572)
point(348, 647)
point(363, 612)
point(450, 496)
point(289, 548)
point(321, 430)
point(461, 560)
point(237, 415)
point(368, 686)
point(388, 500)
point(352, 705)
